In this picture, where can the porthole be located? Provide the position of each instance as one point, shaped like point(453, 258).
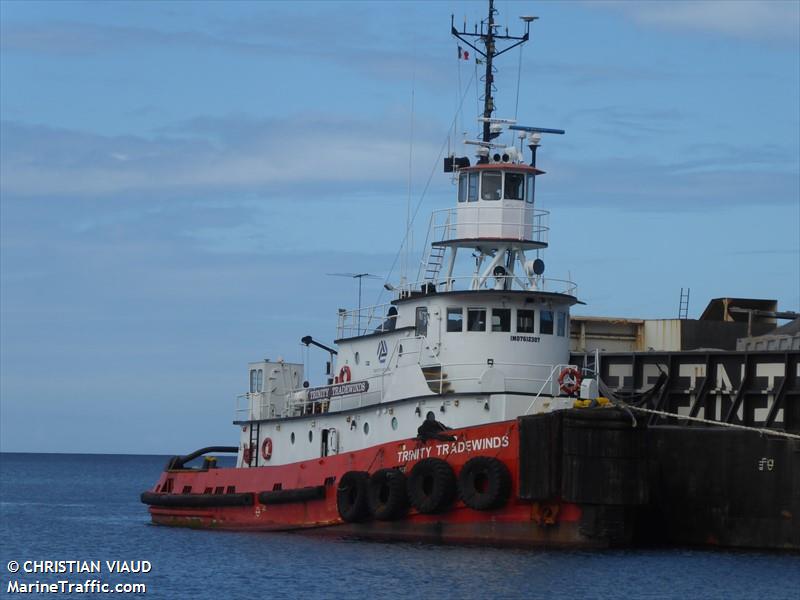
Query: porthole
point(291, 437)
point(310, 435)
point(394, 423)
point(357, 357)
point(366, 428)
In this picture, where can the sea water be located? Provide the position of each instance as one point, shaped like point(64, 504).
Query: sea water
point(66, 507)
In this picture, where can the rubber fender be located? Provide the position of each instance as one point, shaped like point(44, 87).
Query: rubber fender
point(431, 485)
point(351, 496)
point(386, 494)
point(484, 483)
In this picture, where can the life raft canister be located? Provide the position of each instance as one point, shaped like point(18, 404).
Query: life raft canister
point(266, 448)
point(344, 374)
point(570, 380)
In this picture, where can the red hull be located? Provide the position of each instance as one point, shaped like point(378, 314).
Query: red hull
point(517, 523)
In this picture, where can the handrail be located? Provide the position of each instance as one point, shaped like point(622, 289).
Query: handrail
point(548, 380)
point(498, 282)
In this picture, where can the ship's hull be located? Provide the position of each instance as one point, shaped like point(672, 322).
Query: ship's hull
point(577, 478)
point(518, 522)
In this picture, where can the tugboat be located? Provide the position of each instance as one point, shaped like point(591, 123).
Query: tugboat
point(451, 413)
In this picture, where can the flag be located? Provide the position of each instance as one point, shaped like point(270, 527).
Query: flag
point(463, 53)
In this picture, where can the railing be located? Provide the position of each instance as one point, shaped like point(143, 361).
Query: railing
point(368, 319)
point(490, 282)
point(520, 223)
point(551, 380)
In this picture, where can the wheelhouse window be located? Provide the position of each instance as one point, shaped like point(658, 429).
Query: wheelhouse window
point(529, 189)
point(476, 319)
point(525, 321)
point(546, 322)
point(462, 187)
point(515, 186)
point(472, 193)
point(501, 319)
point(252, 380)
point(491, 185)
point(260, 380)
point(561, 324)
point(455, 319)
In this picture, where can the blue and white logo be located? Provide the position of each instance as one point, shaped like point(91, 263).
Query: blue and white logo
point(383, 350)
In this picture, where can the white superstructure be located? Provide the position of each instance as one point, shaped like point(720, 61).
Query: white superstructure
point(481, 337)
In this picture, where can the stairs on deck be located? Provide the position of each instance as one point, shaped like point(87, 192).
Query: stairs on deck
point(437, 380)
point(433, 266)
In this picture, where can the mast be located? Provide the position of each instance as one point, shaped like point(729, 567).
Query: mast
point(488, 37)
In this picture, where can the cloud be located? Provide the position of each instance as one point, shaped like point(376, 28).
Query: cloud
point(300, 37)
point(235, 153)
point(710, 184)
point(748, 19)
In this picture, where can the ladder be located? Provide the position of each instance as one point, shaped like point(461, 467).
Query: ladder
point(683, 307)
point(255, 429)
point(434, 263)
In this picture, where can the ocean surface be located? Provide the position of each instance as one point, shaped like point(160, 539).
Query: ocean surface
point(86, 507)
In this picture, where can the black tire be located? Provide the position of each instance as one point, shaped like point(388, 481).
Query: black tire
point(351, 496)
point(386, 494)
point(484, 483)
point(431, 485)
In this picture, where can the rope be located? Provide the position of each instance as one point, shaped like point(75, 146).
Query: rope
point(629, 407)
point(761, 430)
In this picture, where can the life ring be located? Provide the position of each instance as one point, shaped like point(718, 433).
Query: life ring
point(266, 448)
point(484, 483)
point(431, 485)
point(344, 374)
point(570, 380)
point(386, 494)
point(351, 496)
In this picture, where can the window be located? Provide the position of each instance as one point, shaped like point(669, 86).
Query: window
point(525, 322)
point(501, 319)
point(472, 195)
point(515, 186)
point(491, 185)
point(310, 435)
point(366, 428)
point(252, 380)
point(529, 190)
point(422, 321)
point(462, 187)
point(561, 324)
point(546, 322)
point(455, 319)
point(260, 380)
point(291, 437)
point(394, 423)
point(476, 319)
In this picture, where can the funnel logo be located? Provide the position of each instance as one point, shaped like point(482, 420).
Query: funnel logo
point(383, 350)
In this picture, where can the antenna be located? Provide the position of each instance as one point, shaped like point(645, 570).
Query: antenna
point(488, 36)
point(358, 276)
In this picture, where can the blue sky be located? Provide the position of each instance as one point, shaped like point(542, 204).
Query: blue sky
point(177, 178)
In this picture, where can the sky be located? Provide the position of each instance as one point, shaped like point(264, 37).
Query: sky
point(177, 179)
